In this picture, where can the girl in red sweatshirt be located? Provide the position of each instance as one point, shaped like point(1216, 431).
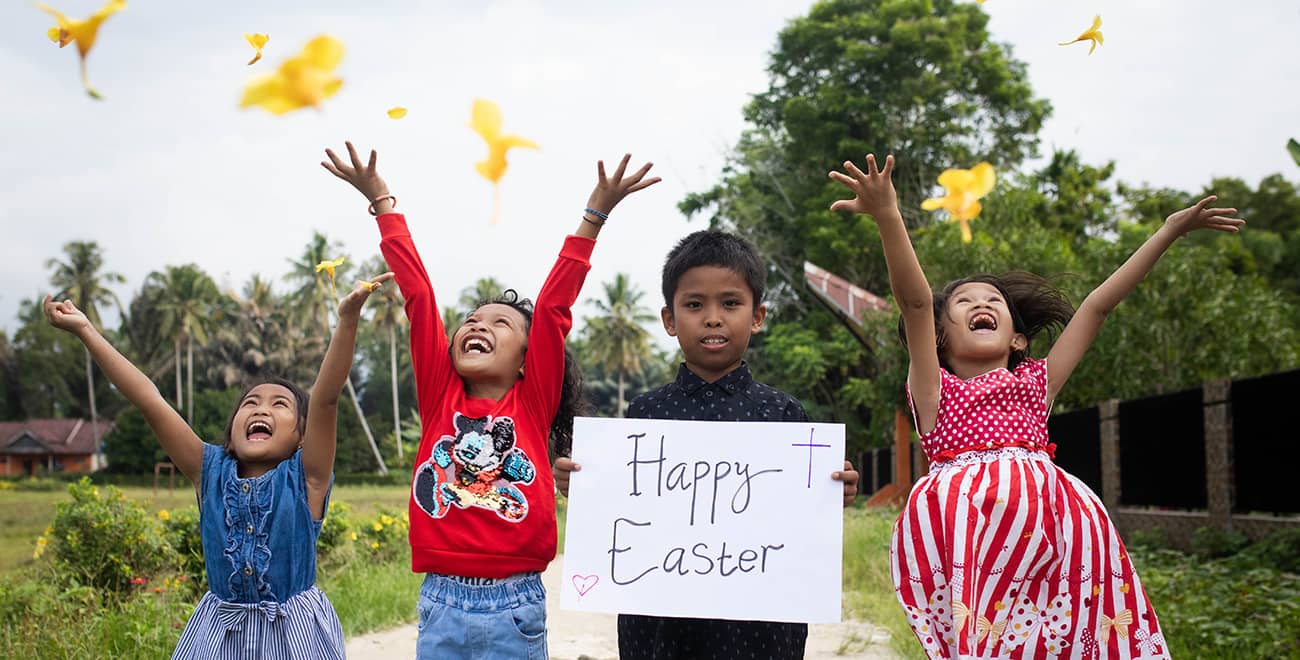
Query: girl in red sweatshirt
point(482, 498)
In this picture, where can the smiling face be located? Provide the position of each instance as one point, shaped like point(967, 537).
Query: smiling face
point(713, 315)
point(489, 346)
point(977, 326)
point(266, 427)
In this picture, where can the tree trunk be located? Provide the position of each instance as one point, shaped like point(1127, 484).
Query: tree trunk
point(180, 393)
point(356, 405)
point(397, 416)
point(189, 379)
point(90, 390)
point(621, 407)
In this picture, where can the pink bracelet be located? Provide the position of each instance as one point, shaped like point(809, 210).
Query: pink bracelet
point(379, 199)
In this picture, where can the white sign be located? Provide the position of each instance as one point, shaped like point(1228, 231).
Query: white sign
point(718, 520)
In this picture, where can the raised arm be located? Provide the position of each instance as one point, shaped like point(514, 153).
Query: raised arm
point(1082, 329)
point(552, 315)
point(320, 439)
point(874, 195)
point(429, 355)
point(177, 438)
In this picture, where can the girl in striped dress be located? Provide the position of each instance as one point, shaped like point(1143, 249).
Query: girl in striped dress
point(263, 494)
point(998, 552)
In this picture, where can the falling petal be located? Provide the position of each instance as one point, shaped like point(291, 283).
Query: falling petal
point(328, 267)
point(396, 112)
point(304, 80)
point(962, 192)
point(82, 32)
point(257, 41)
point(1092, 34)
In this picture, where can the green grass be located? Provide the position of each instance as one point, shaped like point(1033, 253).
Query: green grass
point(372, 596)
point(868, 587)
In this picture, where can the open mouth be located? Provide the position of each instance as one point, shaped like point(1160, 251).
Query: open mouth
point(983, 322)
point(476, 344)
point(714, 341)
point(258, 431)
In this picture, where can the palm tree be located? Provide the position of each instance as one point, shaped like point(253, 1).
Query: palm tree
point(485, 288)
point(186, 299)
point(389, 315)
point(616, 339)
point(315, 300)
point(80, 279)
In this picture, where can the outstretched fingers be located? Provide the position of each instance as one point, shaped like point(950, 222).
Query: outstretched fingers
point(622, 167)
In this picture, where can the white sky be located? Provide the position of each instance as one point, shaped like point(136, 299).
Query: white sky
point(168, 170)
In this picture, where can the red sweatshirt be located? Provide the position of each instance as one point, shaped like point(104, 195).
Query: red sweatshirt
point(483, 496)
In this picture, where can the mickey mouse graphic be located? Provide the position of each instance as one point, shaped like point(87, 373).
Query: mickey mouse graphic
point(476, 467)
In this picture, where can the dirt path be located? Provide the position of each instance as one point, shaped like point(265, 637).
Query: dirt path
point(573, 635)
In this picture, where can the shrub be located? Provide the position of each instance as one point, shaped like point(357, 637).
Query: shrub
point(1214, 543)
point(385, 537)
point(182, 530)
point(106, 541)
point(1281, 550)
point(337, 534)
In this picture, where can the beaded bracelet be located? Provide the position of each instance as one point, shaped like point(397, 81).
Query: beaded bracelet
point(379, 199)
point(598, 214)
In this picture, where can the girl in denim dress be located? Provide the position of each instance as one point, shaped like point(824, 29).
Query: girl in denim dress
point(262, 497)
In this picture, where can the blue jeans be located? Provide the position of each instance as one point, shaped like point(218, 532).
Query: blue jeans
point(502, 620)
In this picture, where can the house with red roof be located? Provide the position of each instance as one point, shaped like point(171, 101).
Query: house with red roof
point(37, 446)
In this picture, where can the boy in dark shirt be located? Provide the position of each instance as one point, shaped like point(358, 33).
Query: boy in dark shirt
point(713, 285)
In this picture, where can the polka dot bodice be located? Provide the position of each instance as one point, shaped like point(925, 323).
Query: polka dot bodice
point(996, 409)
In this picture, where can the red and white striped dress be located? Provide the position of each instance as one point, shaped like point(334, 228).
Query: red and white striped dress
point(999, 553)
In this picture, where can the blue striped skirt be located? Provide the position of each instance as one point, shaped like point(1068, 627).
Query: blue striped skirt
point(305, 626)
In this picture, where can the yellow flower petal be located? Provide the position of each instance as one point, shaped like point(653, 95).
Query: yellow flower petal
point(932, 204)
point(1092, 34)
point(982, 179)
point(82, 32)
point(301, 81)
point(257, 41)
point(396, 112)
point(485, 119)
point(56, 35)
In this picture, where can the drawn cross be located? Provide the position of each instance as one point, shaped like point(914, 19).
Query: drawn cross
point(810, 446)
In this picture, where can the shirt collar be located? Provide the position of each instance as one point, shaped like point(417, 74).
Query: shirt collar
point(735, 381)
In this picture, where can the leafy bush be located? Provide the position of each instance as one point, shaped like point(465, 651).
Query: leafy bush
point(384, 538)
point(336, 534)
point(1213, 543)
point(106, 541)
point(182, 532)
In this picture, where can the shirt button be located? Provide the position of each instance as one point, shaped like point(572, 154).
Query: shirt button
point(248, 570)
point(244, 486)
point(250, 529)
point(709, 393)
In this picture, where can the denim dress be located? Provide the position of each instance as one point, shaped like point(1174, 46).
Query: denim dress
point(259, 548)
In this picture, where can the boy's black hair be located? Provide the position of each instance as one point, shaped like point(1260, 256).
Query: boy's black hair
point(573, 400)
point(300, 397)
point(710, 247)
point(1035, 306)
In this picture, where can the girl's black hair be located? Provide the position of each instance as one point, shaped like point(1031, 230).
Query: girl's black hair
point(573, 399)
point(1035, 306)
point(300, 397)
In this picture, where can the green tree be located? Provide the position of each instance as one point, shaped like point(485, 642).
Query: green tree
point(315, 301)
point(186, 299)
point(617, 339)
point(80, 278)
point(388, 316)
point(49, 366)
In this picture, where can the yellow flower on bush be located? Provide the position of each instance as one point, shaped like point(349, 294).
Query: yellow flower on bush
point(301, 81)
point(963, 189)
point(41, 543)
point(82, 32)
point(386, 519)
point(378, 527)
point(163, 515)
point(374, 546)
point(354, 536)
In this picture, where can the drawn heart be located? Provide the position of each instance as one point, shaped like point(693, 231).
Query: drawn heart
point(585, 583)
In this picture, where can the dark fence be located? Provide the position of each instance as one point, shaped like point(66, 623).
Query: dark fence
point(1266, 443)
point(1162, 451)
point(1077, 435)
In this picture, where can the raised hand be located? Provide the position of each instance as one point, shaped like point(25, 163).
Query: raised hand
point(362, 176)
point(65, 316)
point(350, 306)
point(610, 191)
point(873, 190)
point(1198, 217)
